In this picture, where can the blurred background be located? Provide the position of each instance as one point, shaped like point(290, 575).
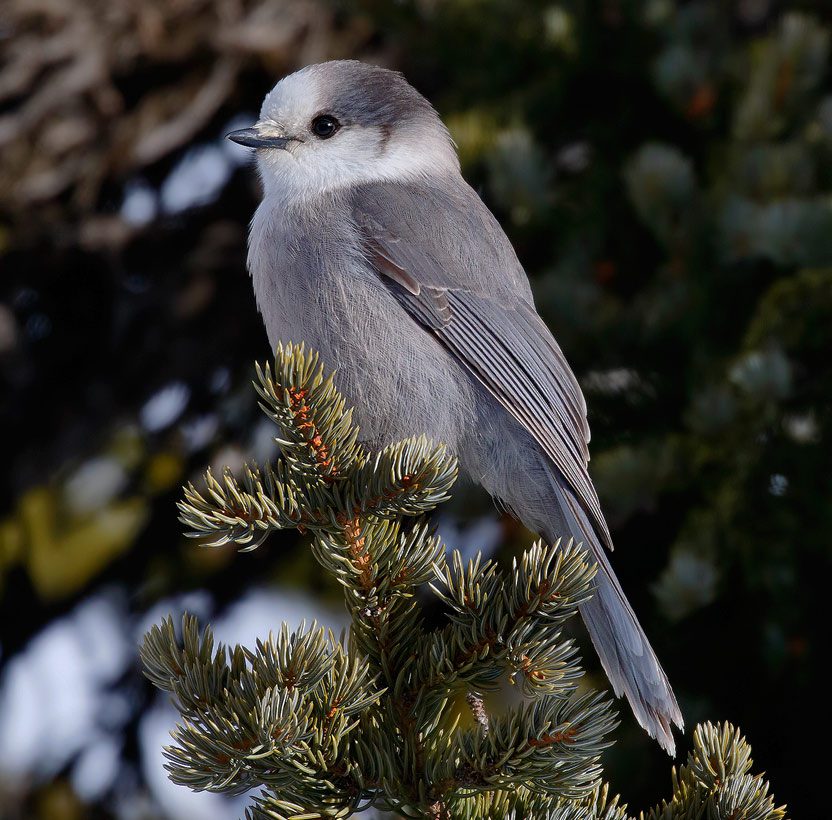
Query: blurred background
point(664, 170)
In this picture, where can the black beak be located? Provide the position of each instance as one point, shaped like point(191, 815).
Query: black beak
point(252, 139)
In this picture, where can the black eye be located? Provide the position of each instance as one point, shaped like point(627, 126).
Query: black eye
point(325, 126)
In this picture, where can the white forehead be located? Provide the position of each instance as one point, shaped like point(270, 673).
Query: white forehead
point(294, 97)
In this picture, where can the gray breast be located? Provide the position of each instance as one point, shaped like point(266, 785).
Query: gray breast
point(313, 285)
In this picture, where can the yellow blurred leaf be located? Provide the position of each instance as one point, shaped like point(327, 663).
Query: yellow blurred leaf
point(64, 554)
point(59, 802)
point(164, 471)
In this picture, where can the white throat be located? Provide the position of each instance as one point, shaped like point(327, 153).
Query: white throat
point(290, 177)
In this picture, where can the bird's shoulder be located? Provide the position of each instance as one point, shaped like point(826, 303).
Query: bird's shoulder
point(450, 265)
point(442, 233)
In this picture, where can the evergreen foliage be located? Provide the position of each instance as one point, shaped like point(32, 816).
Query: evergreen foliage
point(394, 715)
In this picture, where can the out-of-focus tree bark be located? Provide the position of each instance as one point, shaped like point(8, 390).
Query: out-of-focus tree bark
point(93, 91)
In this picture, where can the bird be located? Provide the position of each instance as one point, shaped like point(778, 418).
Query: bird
point(370, 247)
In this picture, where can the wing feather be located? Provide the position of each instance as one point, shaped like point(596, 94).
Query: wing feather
point(450, 265)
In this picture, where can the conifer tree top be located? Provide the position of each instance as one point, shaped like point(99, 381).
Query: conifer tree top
point(397, 715)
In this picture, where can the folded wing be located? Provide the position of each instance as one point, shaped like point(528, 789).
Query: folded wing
point(448, 262)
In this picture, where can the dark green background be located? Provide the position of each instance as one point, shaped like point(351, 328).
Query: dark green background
point(665, 173)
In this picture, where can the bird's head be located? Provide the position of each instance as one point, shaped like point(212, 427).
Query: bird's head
point(344, 123)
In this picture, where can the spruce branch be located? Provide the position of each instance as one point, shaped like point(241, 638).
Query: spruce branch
point(317, 436)
point(551, 745)
point(268, 716)
point(324, 479)
point(327, 728)
point(497, 623)
point(716, 781)
point(245, 515)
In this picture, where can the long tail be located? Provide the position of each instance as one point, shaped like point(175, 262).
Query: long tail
point(626, 655)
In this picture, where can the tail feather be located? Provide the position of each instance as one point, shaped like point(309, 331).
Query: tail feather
point(626, 655)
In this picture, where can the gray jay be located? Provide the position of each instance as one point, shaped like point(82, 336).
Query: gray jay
point(371, 248)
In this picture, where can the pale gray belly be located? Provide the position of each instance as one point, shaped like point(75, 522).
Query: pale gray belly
point(396, 376)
